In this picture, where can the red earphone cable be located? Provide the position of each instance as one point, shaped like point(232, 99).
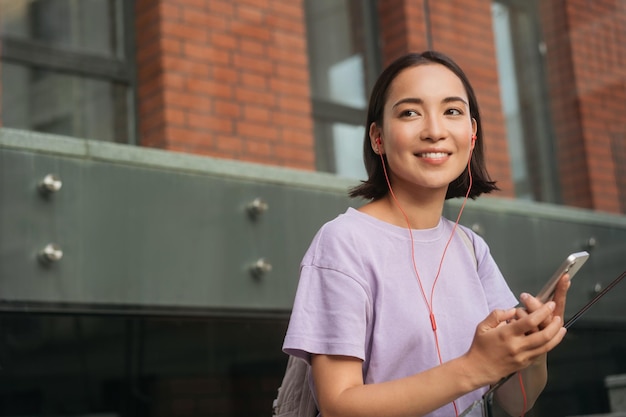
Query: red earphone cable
point(429, 305)
point(523, 389)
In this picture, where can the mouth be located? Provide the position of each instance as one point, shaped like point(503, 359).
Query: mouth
point(433, 155)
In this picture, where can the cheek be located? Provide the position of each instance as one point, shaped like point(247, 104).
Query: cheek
point(401, 134)
point(464, 136)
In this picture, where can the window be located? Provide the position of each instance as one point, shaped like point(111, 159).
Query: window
point(65, 67)
point(520, 53)
point(344, 62)
point(104, 365)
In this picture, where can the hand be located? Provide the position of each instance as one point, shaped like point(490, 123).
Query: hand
point(505, 343)
point(532, 304)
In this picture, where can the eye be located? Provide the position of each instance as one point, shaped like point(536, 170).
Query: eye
point(454, 112)
point(409, 113)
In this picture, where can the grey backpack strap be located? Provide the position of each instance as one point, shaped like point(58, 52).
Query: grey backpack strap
point(468, 243)
point(295, 398)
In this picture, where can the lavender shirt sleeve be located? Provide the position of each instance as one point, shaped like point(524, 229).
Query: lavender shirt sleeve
point(333, 322)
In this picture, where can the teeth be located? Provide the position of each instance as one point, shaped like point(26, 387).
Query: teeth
point(433, 155)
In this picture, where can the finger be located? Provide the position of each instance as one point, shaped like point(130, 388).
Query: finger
point(531, 356)
point(520, 313)
point(531, 303)
point(560, 294)
point(544, 336)
point(544, 341)
point(536, 320)
point(496, 317)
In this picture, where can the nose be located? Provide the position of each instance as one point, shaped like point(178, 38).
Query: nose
point(433, 128)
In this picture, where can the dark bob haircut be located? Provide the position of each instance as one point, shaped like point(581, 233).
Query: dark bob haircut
point(375, 187)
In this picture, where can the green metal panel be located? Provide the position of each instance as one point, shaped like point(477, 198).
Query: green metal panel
point(153, 230)
point(530, 240)
point(148, 228)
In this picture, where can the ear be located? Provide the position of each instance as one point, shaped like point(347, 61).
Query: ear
point(474, 131)
point(376, 141)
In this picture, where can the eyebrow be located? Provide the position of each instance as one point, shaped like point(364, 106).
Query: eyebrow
point(415, 100)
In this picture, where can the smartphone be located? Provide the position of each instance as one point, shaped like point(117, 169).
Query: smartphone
point(570, 266)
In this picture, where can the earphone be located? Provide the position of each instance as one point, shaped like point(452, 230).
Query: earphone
point(429, 304)
point(378, 143)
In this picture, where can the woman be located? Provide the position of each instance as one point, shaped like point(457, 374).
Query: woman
point(399, 311)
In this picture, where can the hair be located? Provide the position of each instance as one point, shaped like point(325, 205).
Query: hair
point(375, 187)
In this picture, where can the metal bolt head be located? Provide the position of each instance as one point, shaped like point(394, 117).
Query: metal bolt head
point(256, 207)
point(50, 253)
point(50, 184)
point(260, 268)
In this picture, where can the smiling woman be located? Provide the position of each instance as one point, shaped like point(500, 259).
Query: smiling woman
point(399, 311)
point(375, 186)
point(426, 116)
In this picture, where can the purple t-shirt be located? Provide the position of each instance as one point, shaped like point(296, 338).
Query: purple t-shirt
point(358, 296)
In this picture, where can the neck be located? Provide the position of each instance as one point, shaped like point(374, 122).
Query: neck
point(422, 212)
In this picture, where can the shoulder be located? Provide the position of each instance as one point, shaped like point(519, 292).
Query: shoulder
point(342, 238)
point(346, 226)
point(343, 230)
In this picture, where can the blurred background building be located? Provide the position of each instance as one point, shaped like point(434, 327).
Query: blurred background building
point(165, 163)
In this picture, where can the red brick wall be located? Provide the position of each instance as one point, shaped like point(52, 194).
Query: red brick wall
point(598, 36)
point(463, 30)
point(402, 28)
point(226, 79)
point(230, 79)
point(572, 170)
point(587, 55)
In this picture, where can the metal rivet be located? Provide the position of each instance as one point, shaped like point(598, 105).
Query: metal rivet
point(50, 184)
point(50, 253)
point(591, 243)
point(256, 207)
point(597, 288)
point(260, 268)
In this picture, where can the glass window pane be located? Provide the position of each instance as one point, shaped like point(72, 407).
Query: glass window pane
point(85, 25)
point(348, 143)
point(62, 365)
point(340, 149)
point(523, 93)
point(47, 101)
point(337, 51)
point(343, 54)
point(510, 100)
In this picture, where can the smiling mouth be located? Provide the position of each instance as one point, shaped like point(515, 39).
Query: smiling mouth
point(432, 155)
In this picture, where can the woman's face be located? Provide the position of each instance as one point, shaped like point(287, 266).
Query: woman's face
point(427, 129)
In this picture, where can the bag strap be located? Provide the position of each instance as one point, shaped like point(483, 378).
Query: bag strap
point(468, 243)
point(295, 398)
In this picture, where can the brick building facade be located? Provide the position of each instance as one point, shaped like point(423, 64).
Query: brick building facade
point(226, 79)
point(230, 79)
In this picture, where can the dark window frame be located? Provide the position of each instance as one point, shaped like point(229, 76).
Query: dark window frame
point(326, 112)
point(538, 130)
point(119, 70)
